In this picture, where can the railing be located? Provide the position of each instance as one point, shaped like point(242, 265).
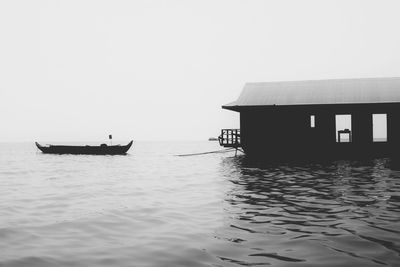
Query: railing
point(230, 138)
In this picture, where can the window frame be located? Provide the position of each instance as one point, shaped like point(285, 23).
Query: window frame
point(312, 121)
point(345, 130)
point(373, 127)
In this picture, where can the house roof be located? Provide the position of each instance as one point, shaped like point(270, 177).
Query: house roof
point(319, 92)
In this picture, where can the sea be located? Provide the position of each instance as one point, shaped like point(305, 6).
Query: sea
point(154, 208)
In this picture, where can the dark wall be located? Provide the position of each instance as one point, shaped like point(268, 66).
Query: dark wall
point(284, 131)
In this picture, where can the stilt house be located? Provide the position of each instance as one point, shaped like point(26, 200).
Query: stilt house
point(323, 118)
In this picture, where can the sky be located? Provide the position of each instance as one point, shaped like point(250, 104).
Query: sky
point(79, 70)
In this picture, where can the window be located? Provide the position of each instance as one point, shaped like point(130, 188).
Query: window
point(312, 121)
point(379, 127)
point(343, 128)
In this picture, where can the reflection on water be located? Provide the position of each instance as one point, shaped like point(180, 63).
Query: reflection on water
point(339, 213)
point(153, 209)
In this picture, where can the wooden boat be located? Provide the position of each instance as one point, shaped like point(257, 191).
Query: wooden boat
point(103, 149)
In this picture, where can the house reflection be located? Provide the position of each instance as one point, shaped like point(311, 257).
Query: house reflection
point(273, 208)
point(318, 190)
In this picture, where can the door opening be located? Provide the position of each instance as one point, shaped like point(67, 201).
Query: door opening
point(343, 128)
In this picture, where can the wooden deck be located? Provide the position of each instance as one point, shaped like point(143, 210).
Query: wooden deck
point(230, 138)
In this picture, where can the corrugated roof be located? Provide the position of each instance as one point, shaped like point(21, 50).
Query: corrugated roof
point(319, 92)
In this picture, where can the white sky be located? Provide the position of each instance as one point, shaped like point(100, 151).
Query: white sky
point(160, 70)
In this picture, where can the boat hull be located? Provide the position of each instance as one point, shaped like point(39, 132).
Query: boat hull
point(85, 150)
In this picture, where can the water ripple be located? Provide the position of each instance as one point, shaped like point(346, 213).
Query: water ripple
point(153, 209)
point(346, 209)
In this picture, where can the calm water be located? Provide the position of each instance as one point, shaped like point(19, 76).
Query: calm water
point(151, 208)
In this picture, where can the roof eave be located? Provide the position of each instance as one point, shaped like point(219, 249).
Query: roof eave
point(233, 108)
point(239, 108)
